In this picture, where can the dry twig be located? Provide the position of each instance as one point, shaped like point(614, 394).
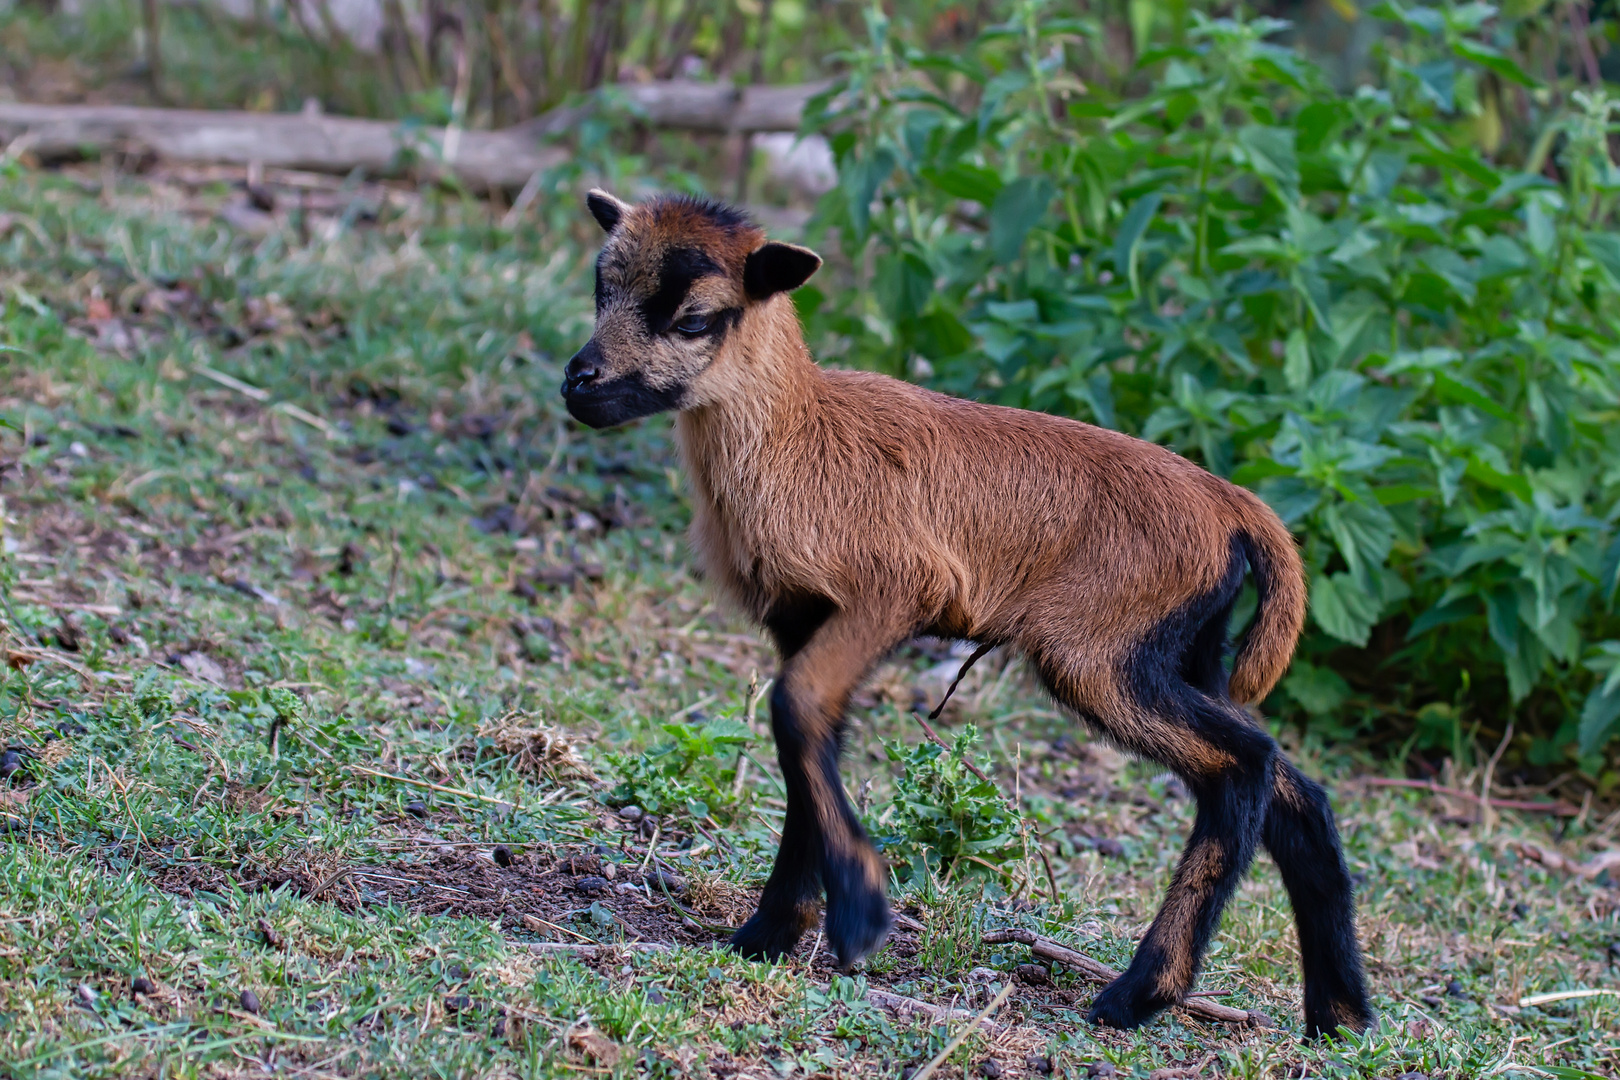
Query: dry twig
point(1047, 949)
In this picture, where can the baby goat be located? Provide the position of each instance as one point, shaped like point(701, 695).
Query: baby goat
point(848, 512)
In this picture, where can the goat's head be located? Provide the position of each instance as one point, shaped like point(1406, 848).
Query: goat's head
point(675, 279)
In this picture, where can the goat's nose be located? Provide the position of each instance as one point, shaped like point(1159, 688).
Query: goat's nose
point(582, 369)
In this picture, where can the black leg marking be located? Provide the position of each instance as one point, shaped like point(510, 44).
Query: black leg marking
point(1231, 810)
point(1304, 842)
point(823, 844)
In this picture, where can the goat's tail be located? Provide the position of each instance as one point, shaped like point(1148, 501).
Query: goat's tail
point(1279, 578)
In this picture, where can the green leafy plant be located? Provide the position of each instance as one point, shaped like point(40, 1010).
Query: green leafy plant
point(1405, 344)
point(944, 819)
point(693, 773)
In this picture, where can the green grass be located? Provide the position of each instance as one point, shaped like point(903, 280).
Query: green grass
point(395, 522)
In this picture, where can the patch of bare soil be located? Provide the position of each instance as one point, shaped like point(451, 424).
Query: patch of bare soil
point(566, 898)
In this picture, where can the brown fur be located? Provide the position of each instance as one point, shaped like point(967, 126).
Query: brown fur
point(847, 511)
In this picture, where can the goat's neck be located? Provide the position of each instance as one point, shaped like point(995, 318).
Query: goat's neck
point(759, 402)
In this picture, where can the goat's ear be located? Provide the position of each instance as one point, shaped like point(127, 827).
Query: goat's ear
point(605, 208)
point(778, 268)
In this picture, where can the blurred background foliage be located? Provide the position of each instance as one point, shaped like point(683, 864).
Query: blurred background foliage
point(1361, 259)
point(1385, 302)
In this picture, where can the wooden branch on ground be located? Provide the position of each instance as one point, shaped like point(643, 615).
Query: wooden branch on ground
point(1047, 949)
point(1553, 860)
point(339, 144)
point(1562, 809)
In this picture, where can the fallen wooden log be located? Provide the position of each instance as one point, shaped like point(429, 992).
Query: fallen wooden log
point(1562, 809)
point(338, 144)
point(1047, 949)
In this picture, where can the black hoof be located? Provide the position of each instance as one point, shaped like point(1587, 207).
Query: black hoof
point(1122, 1004)
point(857, 924)
point(767, 937)
point(1325, 1021)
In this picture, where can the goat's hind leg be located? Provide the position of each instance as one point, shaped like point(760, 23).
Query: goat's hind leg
point(1304, 843)
point(1232, 799)
point(1226, 762)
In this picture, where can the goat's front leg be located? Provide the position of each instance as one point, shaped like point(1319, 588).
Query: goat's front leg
point(823, 844)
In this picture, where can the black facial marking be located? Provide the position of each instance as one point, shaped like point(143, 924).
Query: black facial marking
point(681, 267)
point(720, 323)
point(618, 401)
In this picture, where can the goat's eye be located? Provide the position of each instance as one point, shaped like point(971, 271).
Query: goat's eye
point(693, 324)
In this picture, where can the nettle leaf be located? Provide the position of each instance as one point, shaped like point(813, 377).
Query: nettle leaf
point(1129, 239)
point(903, 285)
point(1270, 152)
point(1598, 718)
point(1364, 535)
point(1297, 361)
point(1017, 209)
point(1609, 576)
point(1319, 690)
point(1438, 80)
point(1604, 247)
point(964, 181)
point(860, 182)
point(1487, 57)
point(1343, 608)
point(1313, 289)
point(1452, 389)
point(1541, 225)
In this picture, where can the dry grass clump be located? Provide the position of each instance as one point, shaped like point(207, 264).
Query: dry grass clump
point(536, 748)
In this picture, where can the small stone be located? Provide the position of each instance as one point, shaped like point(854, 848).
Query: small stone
point(416, 808)
point(655, 996)
point(1033, 974)
point(1454, 988)
point(1101, 1068)
point(610, 871)
point(1107, 845)
point(1035, 1063)
point(87, 996)
point(630, 813)
point(592, 884)
point(249, 1002)
point(502, 855)
point(141, 985)
point(663, 880)
point(983, 974)
point(10, 762)
point(990, 1068)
